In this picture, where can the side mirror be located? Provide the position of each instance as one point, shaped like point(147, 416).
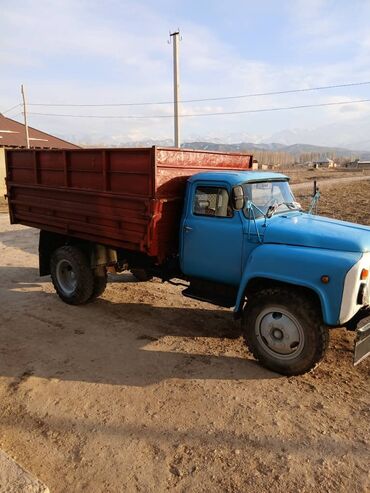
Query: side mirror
point(237, 197)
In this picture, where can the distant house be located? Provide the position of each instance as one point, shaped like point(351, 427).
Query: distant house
point(358, 165)
point(255, 164)
point(13, 136)
point(363, 165)
point(324, 163)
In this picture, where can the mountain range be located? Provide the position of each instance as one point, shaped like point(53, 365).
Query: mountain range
point(293, 149)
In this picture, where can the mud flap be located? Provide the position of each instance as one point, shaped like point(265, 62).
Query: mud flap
point(362, 343)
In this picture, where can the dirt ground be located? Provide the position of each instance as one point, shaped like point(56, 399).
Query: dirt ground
point(347, 202)
point(3, 204)
point(145, 390)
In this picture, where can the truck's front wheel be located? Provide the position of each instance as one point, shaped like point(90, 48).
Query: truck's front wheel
point(284, 331)
point(72, 276)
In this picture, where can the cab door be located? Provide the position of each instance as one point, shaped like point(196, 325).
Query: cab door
point(212, 235)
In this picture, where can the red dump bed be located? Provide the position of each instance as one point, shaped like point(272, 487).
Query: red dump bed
point(127, 198)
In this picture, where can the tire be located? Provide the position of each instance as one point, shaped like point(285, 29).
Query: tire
point(284, 331)
point(100, 283)
point(141, 275)
point(72, 276)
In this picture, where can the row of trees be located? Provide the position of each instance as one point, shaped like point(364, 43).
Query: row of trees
point(279, 158)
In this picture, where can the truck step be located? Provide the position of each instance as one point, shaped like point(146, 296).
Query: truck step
point(215, 300)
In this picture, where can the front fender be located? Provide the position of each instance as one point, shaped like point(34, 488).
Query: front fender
point(301, 266)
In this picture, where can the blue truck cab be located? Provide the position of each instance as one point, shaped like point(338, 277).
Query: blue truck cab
point(246, 243)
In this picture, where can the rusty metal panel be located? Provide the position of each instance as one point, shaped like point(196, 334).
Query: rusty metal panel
point(174, 167)
point(127, 198)
point(185, 158)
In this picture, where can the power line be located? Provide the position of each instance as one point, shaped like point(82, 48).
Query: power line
point(12, 108)
point(259, 110)
point(251, 95)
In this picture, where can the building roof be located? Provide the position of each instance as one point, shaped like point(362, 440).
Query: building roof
point(12, 134)
point(324, 160)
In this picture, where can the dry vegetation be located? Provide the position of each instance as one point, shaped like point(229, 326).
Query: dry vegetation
point(348, 202)
point(145, 390)
point(298, 175)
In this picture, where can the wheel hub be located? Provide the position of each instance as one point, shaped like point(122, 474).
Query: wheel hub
point(280, 333)
point(66, 277)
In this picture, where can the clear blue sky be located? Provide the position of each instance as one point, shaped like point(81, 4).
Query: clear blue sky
point(79, 51)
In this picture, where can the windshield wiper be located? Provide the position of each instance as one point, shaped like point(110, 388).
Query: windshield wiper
point(273, 208)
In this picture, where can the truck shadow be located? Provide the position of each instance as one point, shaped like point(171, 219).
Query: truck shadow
point(132, 344)
point(21, 277)
point(25, 239)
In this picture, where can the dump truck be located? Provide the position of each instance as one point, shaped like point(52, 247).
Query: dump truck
point(232, 236)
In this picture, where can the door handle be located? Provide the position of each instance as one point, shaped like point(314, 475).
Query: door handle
point(187, 229)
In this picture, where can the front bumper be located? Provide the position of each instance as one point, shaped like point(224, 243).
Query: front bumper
point(362, 341)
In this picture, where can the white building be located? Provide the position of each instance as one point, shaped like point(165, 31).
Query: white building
point(324, 163)
point(363, 164)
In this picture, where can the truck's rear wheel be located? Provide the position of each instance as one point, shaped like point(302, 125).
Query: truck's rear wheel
point(72, 276)
point(284, 331)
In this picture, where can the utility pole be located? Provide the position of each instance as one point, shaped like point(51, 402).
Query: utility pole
point(176, 86)
point(25, 117)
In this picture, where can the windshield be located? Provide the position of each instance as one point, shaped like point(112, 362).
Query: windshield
point(272, 196)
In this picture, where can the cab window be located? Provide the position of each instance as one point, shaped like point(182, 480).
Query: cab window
point(212, 201)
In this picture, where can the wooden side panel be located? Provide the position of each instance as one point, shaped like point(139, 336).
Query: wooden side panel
point(101, 195)
point(50, 168)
